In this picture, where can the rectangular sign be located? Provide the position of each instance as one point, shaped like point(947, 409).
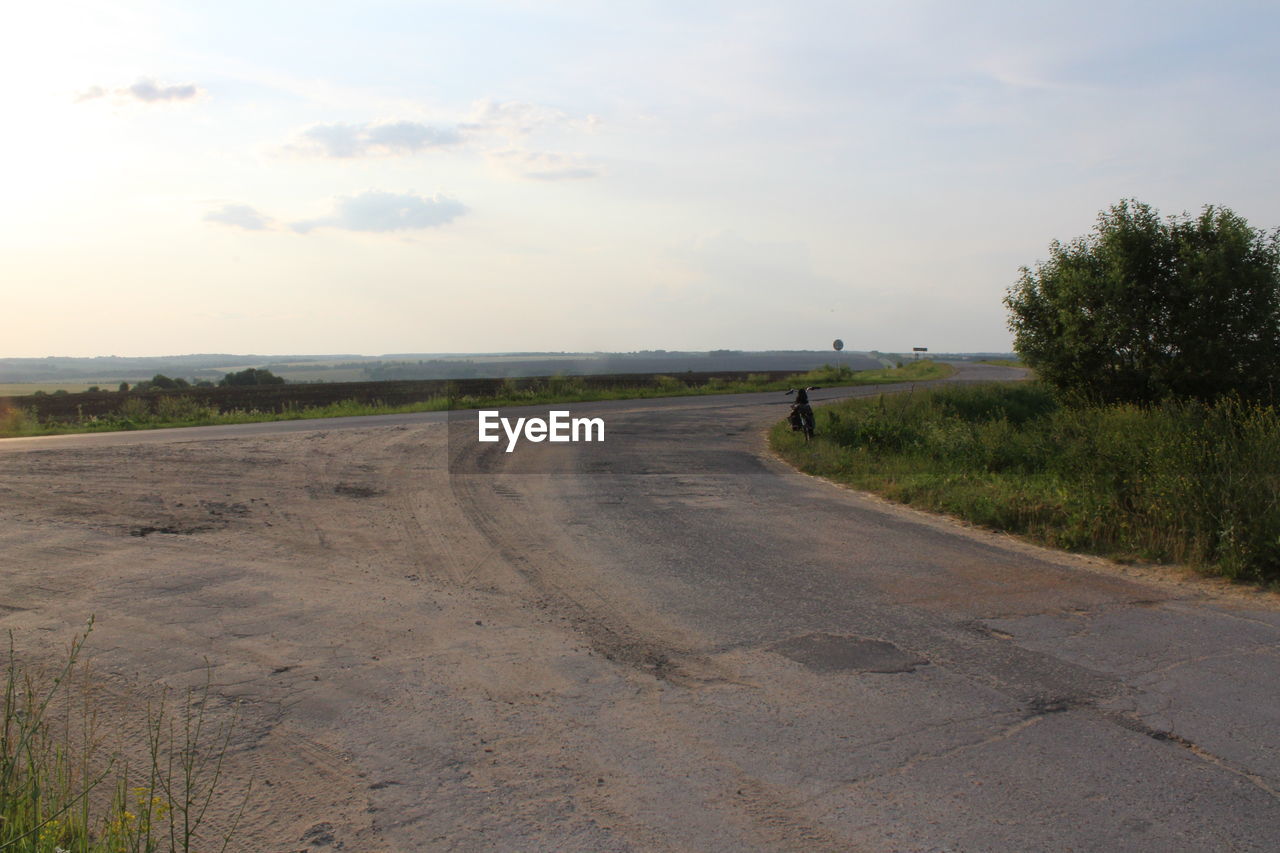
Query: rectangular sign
point(919, 349)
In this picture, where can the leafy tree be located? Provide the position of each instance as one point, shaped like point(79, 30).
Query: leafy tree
point(124, 387)
point(252, 376)
point(1142, 308)
point(162, 382)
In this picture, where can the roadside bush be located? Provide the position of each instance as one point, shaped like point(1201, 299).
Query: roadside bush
point(565, 385)
point(17, 421)
point(1184, 481)
point(182, 408)
point(1144, 309)
point(134, 410)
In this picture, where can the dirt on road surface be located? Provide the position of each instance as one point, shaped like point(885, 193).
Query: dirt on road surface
point(673, 642)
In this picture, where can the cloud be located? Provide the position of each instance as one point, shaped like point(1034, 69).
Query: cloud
point(515, 118)
point(380, 212)
point(151, 92)
point(544, 166)
point(492, 128)
point(354, 140)
point(146, 90)
point(90, 94)
point(238, 215)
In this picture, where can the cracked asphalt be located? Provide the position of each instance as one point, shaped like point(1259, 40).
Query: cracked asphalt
point(671, 641)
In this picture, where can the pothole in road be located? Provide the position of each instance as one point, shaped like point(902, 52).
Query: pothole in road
point(840, 653)
point(349, 490)
point(168, 529)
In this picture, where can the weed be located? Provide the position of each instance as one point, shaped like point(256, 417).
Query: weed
point(58, 792)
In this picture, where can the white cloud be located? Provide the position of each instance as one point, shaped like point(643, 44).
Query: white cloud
point(150, 91)
point(377, 211)
point(515, 118)
point(239, 216)
point(146, 90)
point(544, 166)
point(92, 93)
point(354, 140)
point(488, 118)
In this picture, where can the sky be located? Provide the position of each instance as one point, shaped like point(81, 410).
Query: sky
point(486, 176)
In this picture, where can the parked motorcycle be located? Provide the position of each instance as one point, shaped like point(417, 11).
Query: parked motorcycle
point(801, 417)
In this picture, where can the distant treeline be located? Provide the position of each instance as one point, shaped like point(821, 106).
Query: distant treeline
point(111, 370)
point(613, 363)
point(205, 365)
point(212, 366)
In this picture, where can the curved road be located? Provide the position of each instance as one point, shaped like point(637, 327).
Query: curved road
point(670, 641)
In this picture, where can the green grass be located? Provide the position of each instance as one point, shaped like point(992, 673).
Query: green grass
point(182, 411)
point(1179, 482)
point(1002, 362)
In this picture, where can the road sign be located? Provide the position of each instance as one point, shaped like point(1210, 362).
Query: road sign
point(837, 345)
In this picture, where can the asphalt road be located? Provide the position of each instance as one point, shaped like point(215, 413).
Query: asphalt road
point(667, 641)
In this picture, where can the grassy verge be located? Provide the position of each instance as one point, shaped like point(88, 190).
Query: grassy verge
point(1180, 482)
point(181, 411)
point(59, 792)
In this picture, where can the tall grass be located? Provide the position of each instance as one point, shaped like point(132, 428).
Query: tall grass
point(61, 792)
point(1186, 482)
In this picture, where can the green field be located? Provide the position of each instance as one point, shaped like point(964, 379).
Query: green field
point(313, 374)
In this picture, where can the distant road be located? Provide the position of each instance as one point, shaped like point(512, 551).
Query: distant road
point(669, 641)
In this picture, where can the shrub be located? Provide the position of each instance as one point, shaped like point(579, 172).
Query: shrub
point(182, 408)
point(1143, 309)
point(16, 421)
point(134, 410)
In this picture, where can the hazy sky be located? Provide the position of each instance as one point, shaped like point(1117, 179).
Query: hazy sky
point(382, 177)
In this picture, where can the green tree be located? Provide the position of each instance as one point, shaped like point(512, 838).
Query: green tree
point(252, 376)
point(1143, 308)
